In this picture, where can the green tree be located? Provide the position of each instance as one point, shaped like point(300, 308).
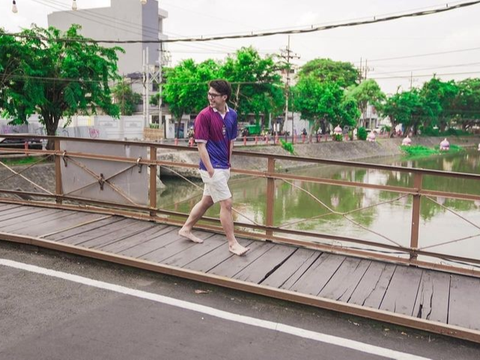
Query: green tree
point(61, 74)
point(342, 73)
point(368, 92)
point(438, 99)
point(466, 106)
point(404, 108)
point(324, 102)
point(126, 98)
point(257, 87)
point(186, 86)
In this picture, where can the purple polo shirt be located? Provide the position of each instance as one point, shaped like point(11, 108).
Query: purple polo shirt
point(216, 132)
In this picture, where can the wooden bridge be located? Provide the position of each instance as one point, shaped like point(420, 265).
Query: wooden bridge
point(405, 291)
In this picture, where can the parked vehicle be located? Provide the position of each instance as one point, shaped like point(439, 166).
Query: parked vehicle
point(19, 143)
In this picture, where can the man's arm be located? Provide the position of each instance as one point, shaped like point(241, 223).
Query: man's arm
point(205, 157)
point(231, 149)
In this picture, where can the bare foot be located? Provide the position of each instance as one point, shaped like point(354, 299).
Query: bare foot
point(190, 236)
point(238, 249)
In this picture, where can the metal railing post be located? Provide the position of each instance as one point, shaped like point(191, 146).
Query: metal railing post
point(417, 184)
point(270, 194)
point(58, 172)
point(153, 181)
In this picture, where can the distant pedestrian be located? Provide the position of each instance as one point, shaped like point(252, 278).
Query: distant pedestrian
point(215, 134)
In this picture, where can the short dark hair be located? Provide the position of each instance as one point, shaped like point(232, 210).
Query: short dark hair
point(222, 86)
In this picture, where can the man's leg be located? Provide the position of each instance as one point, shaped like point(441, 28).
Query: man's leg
point(227, 223)
point(196, 214)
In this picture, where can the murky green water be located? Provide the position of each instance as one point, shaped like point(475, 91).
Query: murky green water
point(385, 217)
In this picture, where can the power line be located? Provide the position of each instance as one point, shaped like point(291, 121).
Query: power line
point(290, 31)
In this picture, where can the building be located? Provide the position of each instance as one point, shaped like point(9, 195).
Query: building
point(126, 20)
point(123, 20)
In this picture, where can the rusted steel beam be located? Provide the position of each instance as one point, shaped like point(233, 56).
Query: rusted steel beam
point(58, 173)
point(270, 195)
point(153, 180)
point(417, 184)
point(351, 309)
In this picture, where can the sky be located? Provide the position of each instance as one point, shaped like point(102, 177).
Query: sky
point(399, 54)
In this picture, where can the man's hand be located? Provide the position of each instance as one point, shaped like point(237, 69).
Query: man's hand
point(211, 172)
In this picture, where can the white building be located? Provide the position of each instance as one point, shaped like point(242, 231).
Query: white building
point(123, 20)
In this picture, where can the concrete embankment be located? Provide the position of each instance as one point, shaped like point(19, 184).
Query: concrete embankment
point(347, 150)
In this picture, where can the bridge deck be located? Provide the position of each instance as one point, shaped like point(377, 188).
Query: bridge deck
point(411, 292)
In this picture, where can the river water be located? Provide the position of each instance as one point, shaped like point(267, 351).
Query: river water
point(385, 217)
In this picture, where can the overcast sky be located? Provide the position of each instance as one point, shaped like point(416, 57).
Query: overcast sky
point(402, 53)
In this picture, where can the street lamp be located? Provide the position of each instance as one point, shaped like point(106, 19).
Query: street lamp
point(14, 7)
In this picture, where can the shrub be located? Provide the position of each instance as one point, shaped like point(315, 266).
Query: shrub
point(361, 133)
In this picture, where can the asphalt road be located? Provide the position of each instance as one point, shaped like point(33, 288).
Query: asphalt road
point(114, 312)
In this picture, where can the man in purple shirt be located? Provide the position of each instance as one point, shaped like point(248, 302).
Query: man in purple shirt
point(215, 133)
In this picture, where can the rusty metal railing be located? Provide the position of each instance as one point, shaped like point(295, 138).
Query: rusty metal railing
point(415, 253)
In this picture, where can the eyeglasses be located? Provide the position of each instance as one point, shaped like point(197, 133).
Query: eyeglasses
point(212, 95)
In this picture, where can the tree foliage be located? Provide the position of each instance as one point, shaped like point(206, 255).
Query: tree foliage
point(56, 77)
point(325, 70)
point(126, 98)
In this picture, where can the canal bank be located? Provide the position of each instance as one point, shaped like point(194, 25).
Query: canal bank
point(331, 150)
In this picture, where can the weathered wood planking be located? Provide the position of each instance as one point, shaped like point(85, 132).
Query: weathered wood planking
point(266, 264)
point(342, 284)
point(174, 247)
point(84, 228)
point(402, 291)
point(317, 276)
point(372, 287)
point(77, 219)
point(214, 257)
point(135, 240)
point(117, 235)
point(192, 253)
point(155, 243)
point(50, 222)
point(464, 302)
point(20, 216)
point(101, 233)
point(433, 296)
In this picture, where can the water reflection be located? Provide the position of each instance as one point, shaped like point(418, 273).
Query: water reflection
point(309, 209)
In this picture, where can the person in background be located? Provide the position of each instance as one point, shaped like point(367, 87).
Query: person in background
point(215, 133)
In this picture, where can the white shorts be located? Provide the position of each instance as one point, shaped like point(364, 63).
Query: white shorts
point(216, 186)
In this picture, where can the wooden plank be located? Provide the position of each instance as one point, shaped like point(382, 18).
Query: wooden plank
point(78, 219)
point(373, 286)
point(292, 269)
point(98, 232)
point(8, 207)
point(433, 296)
point(317, 276)
point(17, 214)
point(30, 226)
point(266, 264)
point(155, 243)
point(135, 240)
point(215, 257)
point(402, 291)
point(234, 264)
point(174, 247)
point(188, 255)
point(118, 234)
point(83, 228)
point(464, 308)
point(30, 220)
point(341, 286)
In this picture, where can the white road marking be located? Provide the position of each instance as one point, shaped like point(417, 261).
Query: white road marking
point(270, 325)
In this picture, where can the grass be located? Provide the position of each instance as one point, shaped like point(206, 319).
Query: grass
point(419, 151)
point(28, 160)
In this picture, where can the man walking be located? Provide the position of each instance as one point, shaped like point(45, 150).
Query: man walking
point(215, 134)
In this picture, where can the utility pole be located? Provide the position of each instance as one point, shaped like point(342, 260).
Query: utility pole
point(287, 55)
point(363, 70)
